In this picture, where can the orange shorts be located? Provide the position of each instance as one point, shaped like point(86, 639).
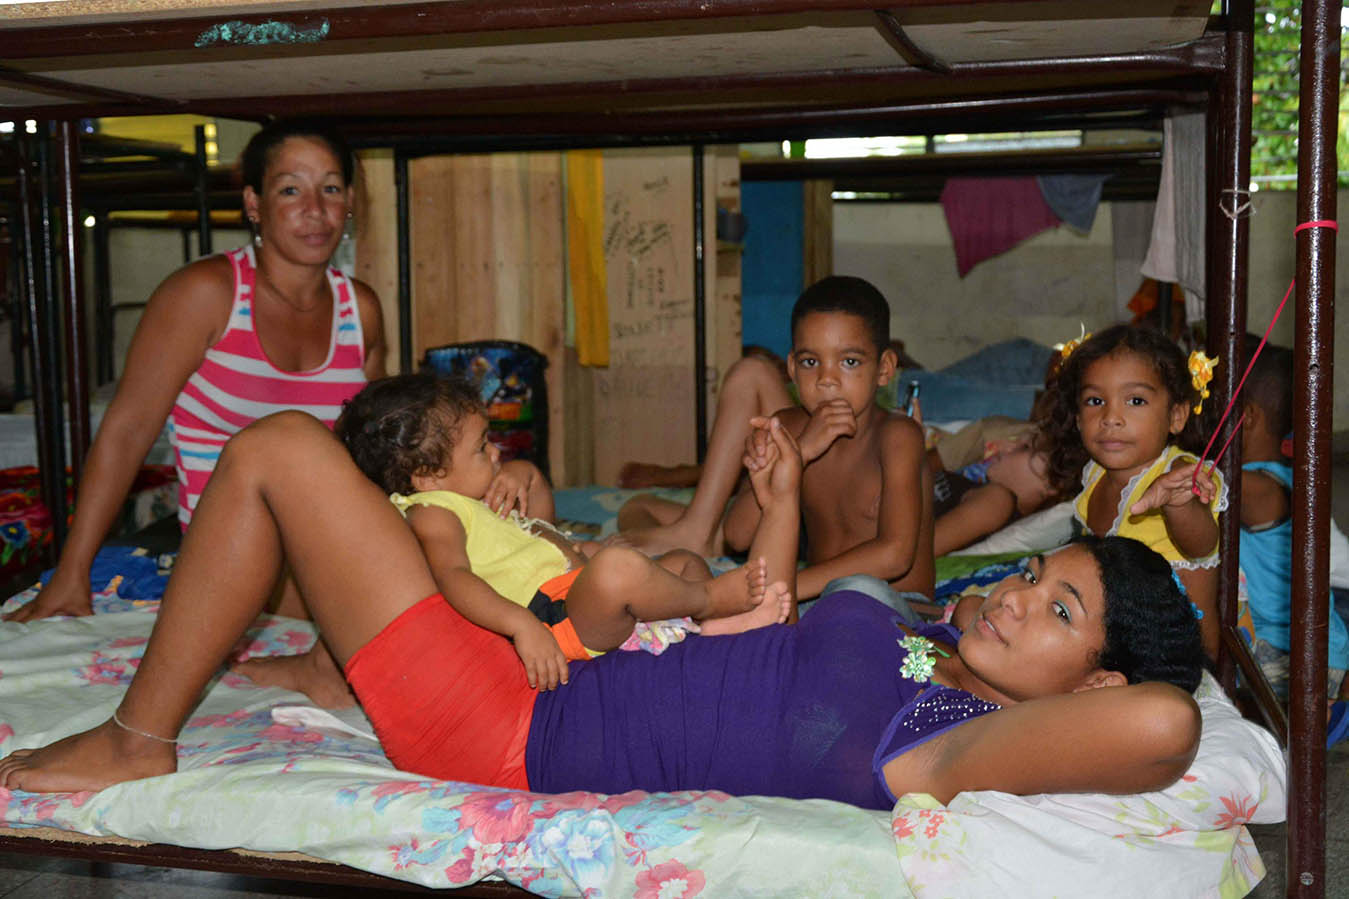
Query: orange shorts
point(447, 698)
point(553, 613)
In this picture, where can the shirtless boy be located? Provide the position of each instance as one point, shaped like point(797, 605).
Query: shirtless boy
point(866, 493)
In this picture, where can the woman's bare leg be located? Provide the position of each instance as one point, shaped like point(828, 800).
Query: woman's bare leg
point(753, 387)
point(284, 488)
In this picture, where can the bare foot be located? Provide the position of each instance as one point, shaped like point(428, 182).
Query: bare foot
point(314, 674)
point(91, 760)
point(774, 609)
point(736, 591)
point(641, 474)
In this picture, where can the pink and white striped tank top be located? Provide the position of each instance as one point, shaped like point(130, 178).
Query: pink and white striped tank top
point(237, 384)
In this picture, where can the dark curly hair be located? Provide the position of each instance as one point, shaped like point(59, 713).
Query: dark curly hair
point(1151, 633)
point(405, 425)
point(1057, 411)
point(855, 296)
point(1270, 384)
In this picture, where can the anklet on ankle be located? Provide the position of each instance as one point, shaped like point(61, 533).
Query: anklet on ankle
point(139, 733)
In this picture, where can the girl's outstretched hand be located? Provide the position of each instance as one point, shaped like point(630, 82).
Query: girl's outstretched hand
point(545, 663)
point(1175, 489)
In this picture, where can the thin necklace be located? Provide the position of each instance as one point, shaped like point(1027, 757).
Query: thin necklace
point(276, 292)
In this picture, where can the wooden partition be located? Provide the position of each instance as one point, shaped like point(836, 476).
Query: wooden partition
point(489, 260)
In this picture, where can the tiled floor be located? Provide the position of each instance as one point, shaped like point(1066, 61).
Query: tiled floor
point(30, 877)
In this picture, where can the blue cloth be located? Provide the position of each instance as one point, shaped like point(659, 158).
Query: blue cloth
point(141, 577)
point(1267, 561)
point(1019, 361)
point(788, 710)
point(877, 589)
point(1073, 198)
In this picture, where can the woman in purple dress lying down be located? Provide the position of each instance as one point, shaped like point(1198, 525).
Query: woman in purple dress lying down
point(1074, 676)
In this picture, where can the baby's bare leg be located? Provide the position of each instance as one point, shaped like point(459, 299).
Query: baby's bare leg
point(283, 486)
point(753, 387)
point(688, 565)
point(776, 606)
point(621, 586)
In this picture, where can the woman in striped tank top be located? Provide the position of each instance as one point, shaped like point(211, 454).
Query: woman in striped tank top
point(231, 338)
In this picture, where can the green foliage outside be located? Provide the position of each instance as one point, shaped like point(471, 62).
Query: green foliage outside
point(1278, 35)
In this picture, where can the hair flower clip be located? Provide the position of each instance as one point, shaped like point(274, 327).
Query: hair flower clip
point(1201, 373)
point(1066, 348)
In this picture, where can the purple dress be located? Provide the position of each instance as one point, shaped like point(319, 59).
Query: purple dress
point(807, 711)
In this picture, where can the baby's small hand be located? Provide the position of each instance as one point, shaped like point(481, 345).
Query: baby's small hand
point(1174, 490)
point(831, 420)
point(545, 663)
point(510, 489)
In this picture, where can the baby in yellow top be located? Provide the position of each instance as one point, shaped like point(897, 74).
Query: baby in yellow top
point(423, 439)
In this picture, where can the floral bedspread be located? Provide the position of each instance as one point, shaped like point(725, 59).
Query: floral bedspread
point(261, 770)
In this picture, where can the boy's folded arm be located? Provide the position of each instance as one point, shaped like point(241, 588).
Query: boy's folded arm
point(444, 542)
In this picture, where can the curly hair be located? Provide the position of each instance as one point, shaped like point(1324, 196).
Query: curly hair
point(1057, 412)
point(405, 425)
point(1151, 633)
point(855, 296)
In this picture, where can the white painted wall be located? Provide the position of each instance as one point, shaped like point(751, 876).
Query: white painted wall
point(1043, 288)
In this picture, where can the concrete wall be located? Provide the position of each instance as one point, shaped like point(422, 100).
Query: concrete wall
point(1049, 284)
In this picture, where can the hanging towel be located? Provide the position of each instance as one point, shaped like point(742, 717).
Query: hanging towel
point(586, 278)
point(988, 216)
point(1176, 253)
point(1073, 198)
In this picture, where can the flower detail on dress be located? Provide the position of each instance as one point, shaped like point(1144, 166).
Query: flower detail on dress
point(1201, 373)
point(919, 664)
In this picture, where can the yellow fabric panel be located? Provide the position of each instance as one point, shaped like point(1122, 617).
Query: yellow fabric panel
point(585, 255)
point(511, 560)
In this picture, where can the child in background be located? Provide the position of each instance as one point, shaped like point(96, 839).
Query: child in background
point(1267, 528)
point(982, 497)
point(866, 493)
point(423, 439)
point(1124, 398)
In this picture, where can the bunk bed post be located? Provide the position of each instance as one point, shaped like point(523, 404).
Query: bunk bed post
point(1229, 218)
point(76, 344)
point(699, 305)
point(43, 324)
point(1314, 358)
point(400, 177)
point(103, 314)
point(203, 192)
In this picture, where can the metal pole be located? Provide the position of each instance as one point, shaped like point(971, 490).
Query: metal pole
point(104, 322)
point(1227, 327)
point(1314, 355)
point(45, 323)
point(699, 305)
point(400, 168)
point(76, 344)
point(203, 192)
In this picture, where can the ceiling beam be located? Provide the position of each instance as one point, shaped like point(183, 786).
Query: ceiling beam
point(375, 21)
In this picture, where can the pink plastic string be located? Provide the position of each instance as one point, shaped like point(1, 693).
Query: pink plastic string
point(1194, 479)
